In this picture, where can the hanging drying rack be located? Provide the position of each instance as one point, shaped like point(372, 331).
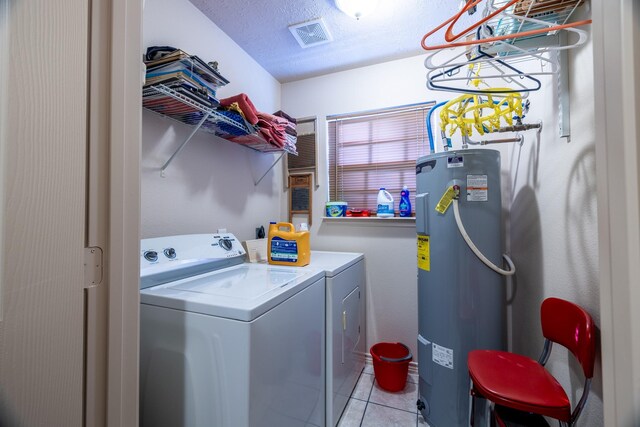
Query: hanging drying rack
point(509, 31)
point(167, 102)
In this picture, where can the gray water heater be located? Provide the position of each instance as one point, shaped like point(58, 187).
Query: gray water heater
point(461, 302)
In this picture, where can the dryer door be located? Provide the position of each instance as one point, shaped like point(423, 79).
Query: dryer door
point(350, 325)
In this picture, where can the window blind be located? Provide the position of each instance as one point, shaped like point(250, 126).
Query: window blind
point(306, 158)
point(306, 146)
point(372, 150)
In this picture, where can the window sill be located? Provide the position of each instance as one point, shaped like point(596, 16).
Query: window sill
point(372, 220)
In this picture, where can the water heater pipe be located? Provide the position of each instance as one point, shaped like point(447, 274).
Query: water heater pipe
point(520, 127)
point(429, 130)
point(518, 138)
point(475, 250)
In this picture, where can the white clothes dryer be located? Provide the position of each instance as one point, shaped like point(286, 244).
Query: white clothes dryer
point(345, 325)
point(228, 344)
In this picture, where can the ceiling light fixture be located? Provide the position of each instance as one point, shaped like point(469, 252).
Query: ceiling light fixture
point(357, 8)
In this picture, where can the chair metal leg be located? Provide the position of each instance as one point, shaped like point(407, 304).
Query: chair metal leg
point(472, 411)
point(480, 413)
point(493, 420)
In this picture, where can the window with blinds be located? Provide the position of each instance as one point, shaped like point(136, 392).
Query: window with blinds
point(306, 147)
point(373, 150)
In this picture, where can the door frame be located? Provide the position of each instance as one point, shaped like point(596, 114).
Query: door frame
point(113, 207)
point(617, 100)
point(124, 212)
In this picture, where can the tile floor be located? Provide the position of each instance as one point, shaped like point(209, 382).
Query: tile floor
point(370, 406)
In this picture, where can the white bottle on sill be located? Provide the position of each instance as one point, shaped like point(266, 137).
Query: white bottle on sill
point(385, 204)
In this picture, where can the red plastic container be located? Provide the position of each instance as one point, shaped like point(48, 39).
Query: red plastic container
point(391, 365)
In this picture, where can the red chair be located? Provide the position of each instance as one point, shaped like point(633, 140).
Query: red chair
point(520, 389)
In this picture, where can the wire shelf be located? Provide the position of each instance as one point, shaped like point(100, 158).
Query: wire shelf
point(170, 103)
point(528, 15)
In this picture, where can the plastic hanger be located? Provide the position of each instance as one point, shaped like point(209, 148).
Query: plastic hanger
point(509, 78)
point(432, 82)
point(451, 38)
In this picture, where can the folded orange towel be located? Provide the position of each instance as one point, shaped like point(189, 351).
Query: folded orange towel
point(247, 107)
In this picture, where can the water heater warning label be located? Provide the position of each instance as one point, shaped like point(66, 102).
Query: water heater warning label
point(424, 261)
point(443, 356)
point(477, 188)
point(455, 162)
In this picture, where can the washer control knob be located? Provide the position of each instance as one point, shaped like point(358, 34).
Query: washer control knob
point(151, 256)
point(226, 244)
point(170, 253)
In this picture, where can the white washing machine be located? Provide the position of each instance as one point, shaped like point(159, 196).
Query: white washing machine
point(345, 325)
point(228, 344)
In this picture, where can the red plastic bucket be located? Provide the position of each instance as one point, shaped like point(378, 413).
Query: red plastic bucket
point(391, 364)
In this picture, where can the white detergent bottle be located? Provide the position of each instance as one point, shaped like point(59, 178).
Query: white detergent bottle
point(385, 204)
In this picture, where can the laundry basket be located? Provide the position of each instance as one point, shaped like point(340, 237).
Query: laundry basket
point(391, 364)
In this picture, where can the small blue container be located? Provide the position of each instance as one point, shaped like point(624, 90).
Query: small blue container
point(336, 209)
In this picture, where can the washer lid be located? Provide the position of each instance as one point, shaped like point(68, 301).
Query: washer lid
point(243, 292)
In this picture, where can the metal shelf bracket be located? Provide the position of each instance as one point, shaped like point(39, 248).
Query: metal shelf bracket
point(255, 183)
point(564, 118)
point(193, 132)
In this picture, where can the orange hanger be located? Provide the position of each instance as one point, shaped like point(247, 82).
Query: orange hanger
point(450, 37)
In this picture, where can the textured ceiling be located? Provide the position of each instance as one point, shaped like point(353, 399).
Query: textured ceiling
point(393, 31)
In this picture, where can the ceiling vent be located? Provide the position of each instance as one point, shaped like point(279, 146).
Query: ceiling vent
point(311, 33)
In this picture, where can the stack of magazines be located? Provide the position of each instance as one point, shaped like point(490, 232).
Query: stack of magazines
point(186, 74)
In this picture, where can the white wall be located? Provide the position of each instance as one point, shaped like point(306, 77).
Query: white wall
point(554, 235)
point(548, 193)
point(210, 184)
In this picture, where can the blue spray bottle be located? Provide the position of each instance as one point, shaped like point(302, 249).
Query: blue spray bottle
point(405, 204)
